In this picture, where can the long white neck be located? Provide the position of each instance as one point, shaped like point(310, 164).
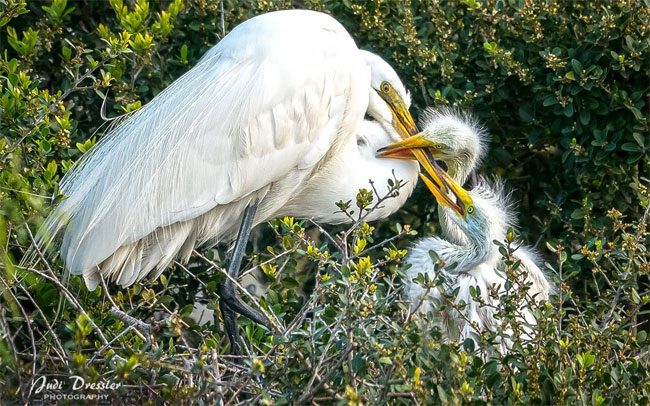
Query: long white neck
point(461, 257)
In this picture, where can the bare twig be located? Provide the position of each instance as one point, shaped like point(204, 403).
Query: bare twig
point(5, 334)
point(27, 323)
point(223, 19)
point(326, 234)
point(48, 326)
point(138, 325)
point(62, 288)
point(309, 394)
point(625, 275)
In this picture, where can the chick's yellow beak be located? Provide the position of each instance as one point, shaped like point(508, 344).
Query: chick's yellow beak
point(415, 145)
point(412, 144)
point(463, 203)
point(436, 179)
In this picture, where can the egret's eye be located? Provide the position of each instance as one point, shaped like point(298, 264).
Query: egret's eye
point(385, 87)
point(470, 210)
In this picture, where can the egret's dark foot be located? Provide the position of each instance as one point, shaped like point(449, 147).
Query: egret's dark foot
point(230, 304)
point(230, 324)
point(230, 297)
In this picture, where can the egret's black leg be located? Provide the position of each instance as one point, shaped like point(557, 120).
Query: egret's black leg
point(230, 301)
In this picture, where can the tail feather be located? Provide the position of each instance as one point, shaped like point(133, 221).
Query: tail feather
point(152, 254)
point(136, 260)
point(128, 267)
point(112, 267)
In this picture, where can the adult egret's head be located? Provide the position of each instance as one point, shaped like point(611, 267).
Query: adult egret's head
point(389, 101)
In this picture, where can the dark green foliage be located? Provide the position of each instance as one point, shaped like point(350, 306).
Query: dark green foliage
point(562, 87)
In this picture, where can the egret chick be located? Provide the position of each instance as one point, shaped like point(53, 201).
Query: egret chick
point(475, 265)
point(468, 229)
point(459, 141)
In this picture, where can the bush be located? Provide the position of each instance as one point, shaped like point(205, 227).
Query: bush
point(563, 88)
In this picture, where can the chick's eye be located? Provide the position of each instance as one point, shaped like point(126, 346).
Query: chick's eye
point(385, 87)
point(470, 210)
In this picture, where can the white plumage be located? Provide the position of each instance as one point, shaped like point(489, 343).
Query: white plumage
point(474, 263)
point(270, 114)
point(466, 241)
point(355, 167)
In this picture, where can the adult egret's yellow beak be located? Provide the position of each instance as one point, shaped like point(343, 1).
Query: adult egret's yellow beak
point(402, 119)
point(438, 181)
point(416, 147)
point(406, 148)
point(406, 128)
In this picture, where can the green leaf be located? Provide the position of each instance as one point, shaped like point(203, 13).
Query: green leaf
point(549, 101)
point(568, 110)
point(576, 65)
point(442, 394)
point(385, 360)
point(630, 147)
point(525, 115)
point(637, 113)
point(639, 139)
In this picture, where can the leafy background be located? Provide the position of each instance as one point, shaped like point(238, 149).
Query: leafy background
point(562, 87)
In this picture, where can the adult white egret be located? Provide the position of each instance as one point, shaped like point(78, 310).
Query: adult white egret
point(240, 138)
point(468, 227)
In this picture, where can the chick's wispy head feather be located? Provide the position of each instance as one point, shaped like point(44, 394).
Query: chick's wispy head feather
point(460, 135)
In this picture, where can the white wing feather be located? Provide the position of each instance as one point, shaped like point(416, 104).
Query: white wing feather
point(264, 105)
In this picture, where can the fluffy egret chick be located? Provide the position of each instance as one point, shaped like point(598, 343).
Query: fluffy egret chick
point(468, 229)
point(450, 136)
point(474, 265)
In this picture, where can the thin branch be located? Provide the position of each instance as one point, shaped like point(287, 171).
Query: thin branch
point(57, 341)
point(306, 396)
point(27, 323)
point(145, 328)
